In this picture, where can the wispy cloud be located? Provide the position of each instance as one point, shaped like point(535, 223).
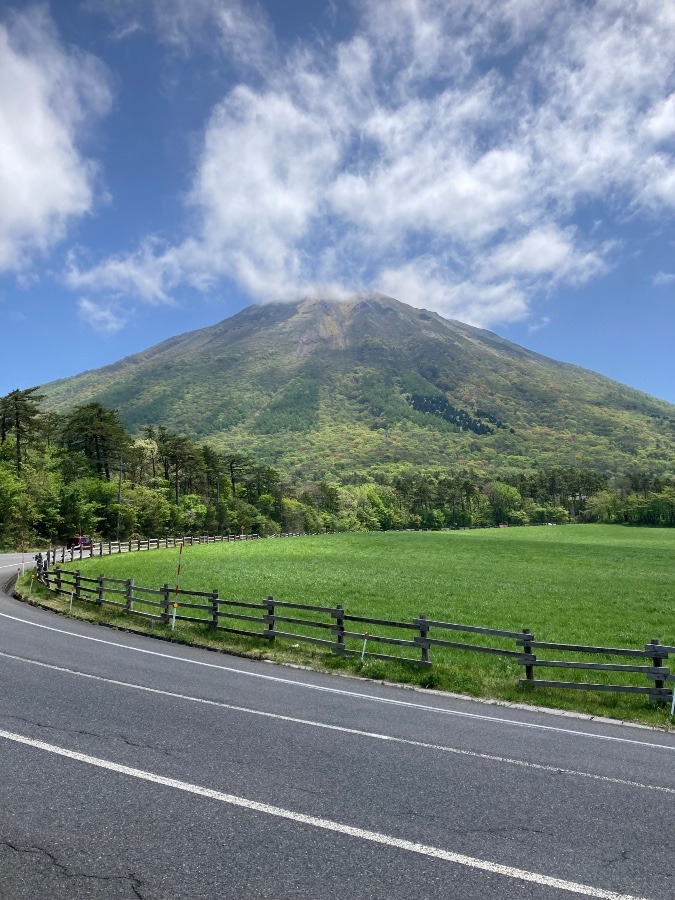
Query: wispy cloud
point(664, 279)
point(537, 326)
point(105, 318)
point(49, 95)
point(238, 29)
point(441, 154)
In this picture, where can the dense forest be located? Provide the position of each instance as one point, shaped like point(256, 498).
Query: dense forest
point(83, 473)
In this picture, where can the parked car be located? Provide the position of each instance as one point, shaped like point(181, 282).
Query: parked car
point(82, 540)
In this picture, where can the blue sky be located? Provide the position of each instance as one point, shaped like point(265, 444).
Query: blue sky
point(508, 163)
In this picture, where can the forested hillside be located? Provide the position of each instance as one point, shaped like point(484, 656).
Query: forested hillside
point(324, 389)
point(83, 472)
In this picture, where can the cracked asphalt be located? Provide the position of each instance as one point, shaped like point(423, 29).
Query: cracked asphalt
point(584, 802)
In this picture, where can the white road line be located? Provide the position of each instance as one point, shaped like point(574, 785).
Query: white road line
point(326, 824)
point(353, 694)
point(373, 735)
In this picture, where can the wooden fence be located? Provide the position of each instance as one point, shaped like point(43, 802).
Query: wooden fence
point(350, 635)
point(108, 548)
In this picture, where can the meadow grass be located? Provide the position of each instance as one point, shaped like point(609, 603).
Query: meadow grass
point(599, 585)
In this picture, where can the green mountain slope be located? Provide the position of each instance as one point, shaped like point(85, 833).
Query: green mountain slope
point(318, 386)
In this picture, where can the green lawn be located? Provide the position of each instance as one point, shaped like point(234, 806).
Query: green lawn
point(599, 585)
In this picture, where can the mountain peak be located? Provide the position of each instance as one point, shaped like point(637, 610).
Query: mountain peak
point(324, 384)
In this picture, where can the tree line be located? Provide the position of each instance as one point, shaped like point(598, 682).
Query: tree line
point(83, 473)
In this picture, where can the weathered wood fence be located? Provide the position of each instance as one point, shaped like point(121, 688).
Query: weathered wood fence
point(108, 548)
point(333, 628)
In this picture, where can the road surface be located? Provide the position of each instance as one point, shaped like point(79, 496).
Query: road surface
point(134, 768)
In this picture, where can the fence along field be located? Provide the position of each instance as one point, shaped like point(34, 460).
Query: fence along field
point(334, 629)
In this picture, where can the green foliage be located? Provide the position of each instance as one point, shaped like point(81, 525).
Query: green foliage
point(98, 432)
point(438, 405)
point(294, 408)
point(19, 412)
point(11, 494)
point(314, 387)
point(85, 474)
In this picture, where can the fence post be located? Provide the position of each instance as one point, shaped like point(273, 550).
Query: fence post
point(424, 644)
point(101, 590)
point(268, 617)
point(527, 651)
point(215, 608)
point(58, 580)
point(166, 593)
point(77, 584)
point(657, 661)
point(129, 591)
point(340, 628)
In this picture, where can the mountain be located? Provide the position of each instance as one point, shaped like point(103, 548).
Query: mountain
point(318, 386)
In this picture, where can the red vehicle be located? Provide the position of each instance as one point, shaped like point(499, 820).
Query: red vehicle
point(82, 540)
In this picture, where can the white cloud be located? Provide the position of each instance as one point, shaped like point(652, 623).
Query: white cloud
point(545, 252)
point(257, 205)
point(660, 123)
point(424, 285)
point(146, 274)
point(102, 318)
point(48, 96)
point(664, 279)
point(441, 154)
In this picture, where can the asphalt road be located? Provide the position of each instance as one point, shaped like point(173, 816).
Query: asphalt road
point(134, 768)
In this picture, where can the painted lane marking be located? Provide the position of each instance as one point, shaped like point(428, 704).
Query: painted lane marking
point(325, 824)
point(353, 694)
point(374, 735)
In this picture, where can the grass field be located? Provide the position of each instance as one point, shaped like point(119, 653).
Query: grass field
point(600, 585)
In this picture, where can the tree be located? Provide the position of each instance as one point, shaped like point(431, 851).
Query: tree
point(99, 433)
point(504, 501)
point(238, 466)
point(180, 452)
point(11, 491)
point(20, 414)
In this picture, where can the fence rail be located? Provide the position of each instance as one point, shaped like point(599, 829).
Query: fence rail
point(261, 620)
point(108, 548)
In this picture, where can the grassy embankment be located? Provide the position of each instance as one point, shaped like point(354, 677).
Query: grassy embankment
point(599, 585)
